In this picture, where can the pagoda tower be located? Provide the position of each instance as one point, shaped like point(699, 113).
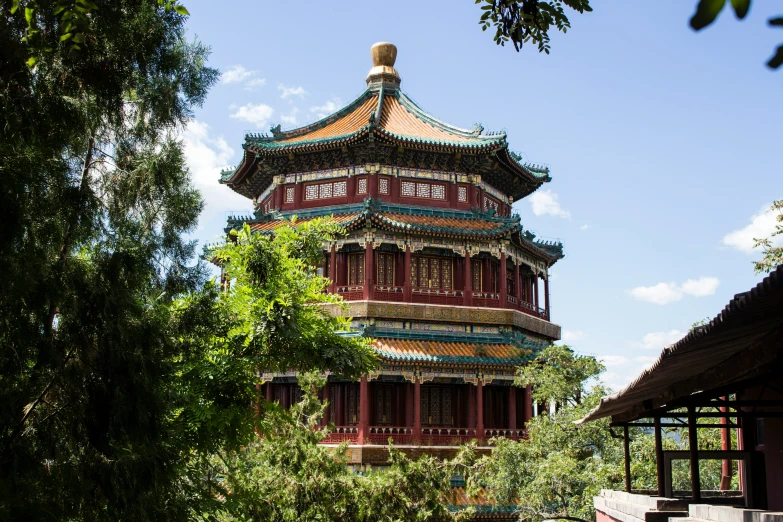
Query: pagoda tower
point(435, 269)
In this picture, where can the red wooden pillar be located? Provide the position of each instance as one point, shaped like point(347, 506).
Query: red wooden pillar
point(471, 406)
point(546, 296)
point(333, 269)
point(328, 410)
point(502, 280)
point(369, 271)
point(512, 408)
point(406, 287)
point(535, 291)
point(364, 410)
point(416, 409)
point(725, 445)
point(517, 283)
point(468, 292)
point(479, 410)
point(409, 405)
point(278, 195)
point(528, 403)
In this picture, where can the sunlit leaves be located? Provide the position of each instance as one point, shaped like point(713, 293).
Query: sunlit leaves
point(741, 8)
point(522, 21)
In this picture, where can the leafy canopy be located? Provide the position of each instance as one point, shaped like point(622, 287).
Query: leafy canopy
point(772, 256)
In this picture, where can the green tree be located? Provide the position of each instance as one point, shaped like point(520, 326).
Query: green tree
point(285, 475)
point(523, 21)
point(95, 200)
point(772, 256)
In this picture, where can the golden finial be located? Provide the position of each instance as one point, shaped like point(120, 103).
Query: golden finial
point(383, 55)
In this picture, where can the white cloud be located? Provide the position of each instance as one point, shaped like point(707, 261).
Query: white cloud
point(287, 92)
point(544, 202)
point(761, 226)
point(665, 293)
point(206, 155)
point(322, 111)
point(236, 74)
point(570, 336)
point(584, 227)
point(662, 293)
point(253, 84)
point(290, 119)
point(621, 370)
point(257, 114)
point(701, 287)
point(659, 340)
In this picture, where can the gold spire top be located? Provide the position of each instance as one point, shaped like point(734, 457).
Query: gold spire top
point(383, 55)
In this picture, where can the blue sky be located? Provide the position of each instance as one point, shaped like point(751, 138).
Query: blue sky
point(664, 144)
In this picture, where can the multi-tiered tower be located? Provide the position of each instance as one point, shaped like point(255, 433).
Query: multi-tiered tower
point(435, 268)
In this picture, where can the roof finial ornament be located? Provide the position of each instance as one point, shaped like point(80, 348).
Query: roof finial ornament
point(383, 55)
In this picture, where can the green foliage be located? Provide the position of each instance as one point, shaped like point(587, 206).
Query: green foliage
point(707, 12)
point(556, 471)
point(772, 256)
point(278, 303)
point(558, 374)
point(285, 475)
point(522, 21)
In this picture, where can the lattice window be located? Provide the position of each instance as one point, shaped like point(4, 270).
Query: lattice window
point(435, 417)
point(385, 269)
point(462, 193)
point(353, 406)
point(491, 203)
point(332, 403)
point(447, 418)
point(475, 272)
point(356, 269)
point(383, 185)
point(424, 405)
point(447, 273)
point(325, 190)
point(423, 190)
point(289, 194)
point(340, 188)
point(383, 404)
point(362, 186)
point(437, 405)
point(439, 191)
point(311, 192)
point(408, 189)
point(414, 274)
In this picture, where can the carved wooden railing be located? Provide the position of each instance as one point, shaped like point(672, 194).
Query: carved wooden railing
point(430, 296)
point(398, 434)
point(388, 293)
point(511, 302)
point(531, 309)
point(351, 293)
point(342, 434)
point(507, 433)
point(486, 299)
point(446, 436)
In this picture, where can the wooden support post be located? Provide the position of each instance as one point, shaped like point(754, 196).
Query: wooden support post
point(627, 453)
point(409, 405)
point(333, 269)
point(479, 410)
point(406, 287)
point(416, 410)
point(659, 464)
point(468, 292)
point(502, 280)
point(725, 445)
point(693, 447)
point(364, 411)
point(546, 296)
point(512, 408)
point(369, 271)
point(535, 291)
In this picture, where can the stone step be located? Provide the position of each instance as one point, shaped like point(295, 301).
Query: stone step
point(634, 512)
point(731, 514)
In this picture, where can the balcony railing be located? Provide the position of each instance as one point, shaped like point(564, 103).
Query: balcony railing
point(389, 293)
point(531, 309)
point(396, 294)
point(447, 436)
point(486, 299)
point(341, 434)
point(399, 435)
point(351, 293)
point(500, 432)
point(430, 296)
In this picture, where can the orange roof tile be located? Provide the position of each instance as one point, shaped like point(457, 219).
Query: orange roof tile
point(399, 120)
point(267, 226)
point(348, 124)
point(449, 352)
